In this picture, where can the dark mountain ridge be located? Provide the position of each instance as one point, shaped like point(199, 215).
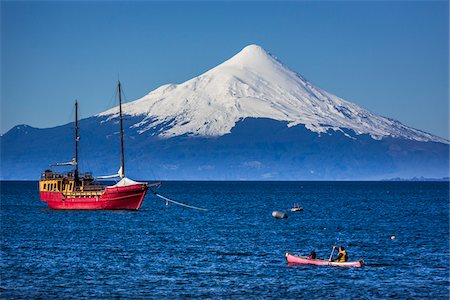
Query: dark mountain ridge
point(256, 149)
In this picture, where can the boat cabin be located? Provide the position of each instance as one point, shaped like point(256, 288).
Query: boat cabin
point(65, 182)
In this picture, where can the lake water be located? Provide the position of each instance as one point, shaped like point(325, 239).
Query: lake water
point(235, 250)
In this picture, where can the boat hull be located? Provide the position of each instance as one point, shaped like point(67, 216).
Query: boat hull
point(121, 198)
point(294, 259)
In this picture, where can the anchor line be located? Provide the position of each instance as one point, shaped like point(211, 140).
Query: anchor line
point(176, 202)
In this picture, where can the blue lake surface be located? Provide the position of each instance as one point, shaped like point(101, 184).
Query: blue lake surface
point(235, 250)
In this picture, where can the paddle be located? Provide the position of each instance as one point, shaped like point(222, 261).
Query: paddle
point(332, 252)
point(334, 246)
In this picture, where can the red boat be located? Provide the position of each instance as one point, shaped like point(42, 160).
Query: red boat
point(72, 190)
point(62, 192)
point(294, 259)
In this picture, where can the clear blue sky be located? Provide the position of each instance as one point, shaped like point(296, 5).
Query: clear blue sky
point(391, 58)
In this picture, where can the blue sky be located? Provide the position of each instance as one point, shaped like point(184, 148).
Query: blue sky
point(388, 57)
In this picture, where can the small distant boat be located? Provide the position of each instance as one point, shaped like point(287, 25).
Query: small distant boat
point(295, 259)
point(296, 208)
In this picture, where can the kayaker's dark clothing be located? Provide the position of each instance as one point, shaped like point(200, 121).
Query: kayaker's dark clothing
point(312, 255)
point(342, 256)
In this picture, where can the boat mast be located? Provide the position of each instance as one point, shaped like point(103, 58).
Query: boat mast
point(121, 132)
point(76, 141)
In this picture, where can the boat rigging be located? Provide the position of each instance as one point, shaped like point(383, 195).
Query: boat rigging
point(74, 190)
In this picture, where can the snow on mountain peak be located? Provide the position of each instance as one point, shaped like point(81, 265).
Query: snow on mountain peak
point(252, 56)
point(254, 84)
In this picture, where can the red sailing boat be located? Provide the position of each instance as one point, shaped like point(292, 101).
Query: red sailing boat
point(73, 190)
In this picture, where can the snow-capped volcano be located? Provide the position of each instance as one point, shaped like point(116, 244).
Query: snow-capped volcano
point(267, 122)
point(254, 84)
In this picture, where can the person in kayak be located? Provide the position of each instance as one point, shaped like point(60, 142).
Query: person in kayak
point(313, 255)
point(342, 255)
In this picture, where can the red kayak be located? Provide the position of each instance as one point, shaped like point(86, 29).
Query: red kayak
point(294, 259)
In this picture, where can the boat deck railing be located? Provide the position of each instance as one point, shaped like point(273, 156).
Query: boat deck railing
point(83, 194)
point(48, 174)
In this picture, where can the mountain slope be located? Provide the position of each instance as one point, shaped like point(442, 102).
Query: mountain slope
point(254, 84)
point(256, 149)
point(250, 118)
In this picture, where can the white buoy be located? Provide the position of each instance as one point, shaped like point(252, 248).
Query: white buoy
point(279, 215)
point(393, 237)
